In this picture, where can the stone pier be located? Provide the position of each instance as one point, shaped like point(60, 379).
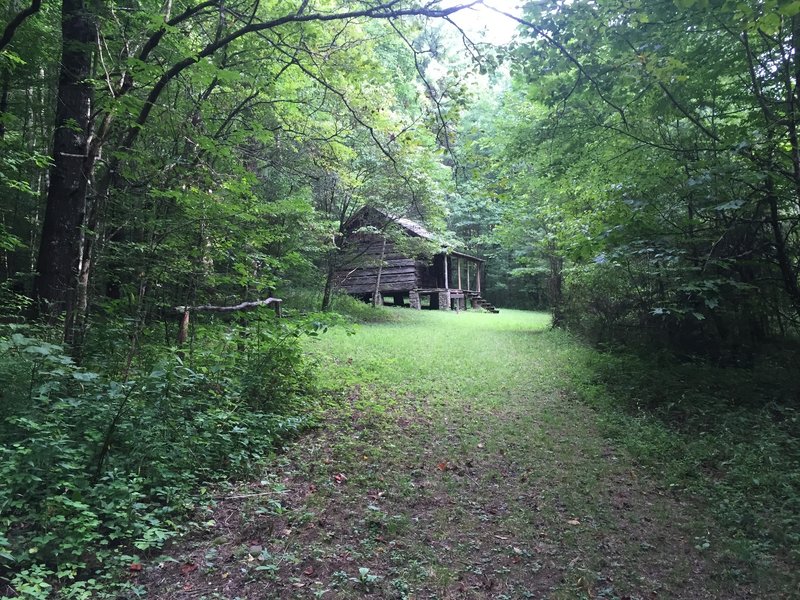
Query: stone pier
point(444, 300)
point(413, 299)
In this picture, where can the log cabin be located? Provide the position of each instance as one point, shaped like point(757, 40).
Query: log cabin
point(377, 266)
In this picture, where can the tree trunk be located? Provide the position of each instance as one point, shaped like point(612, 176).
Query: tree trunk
point(60, 249)
point(5, 85)
point(377, 297)
point(788, 273)
point(327, 294)
point(554, 289)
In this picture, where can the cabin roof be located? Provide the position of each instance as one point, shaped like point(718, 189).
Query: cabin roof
point(412, 227)
point(419, 230)
point(415, 228)
point(467, 256)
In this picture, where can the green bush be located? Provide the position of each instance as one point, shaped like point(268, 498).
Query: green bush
point(352, 309)
point(94, 468)
point(362, 312)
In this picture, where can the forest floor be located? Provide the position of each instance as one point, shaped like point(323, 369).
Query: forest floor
point(454, 461)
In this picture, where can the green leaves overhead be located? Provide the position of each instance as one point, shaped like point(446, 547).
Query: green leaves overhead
point(652, 147)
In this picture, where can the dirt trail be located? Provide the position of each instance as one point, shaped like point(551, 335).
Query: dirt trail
point(481, 477)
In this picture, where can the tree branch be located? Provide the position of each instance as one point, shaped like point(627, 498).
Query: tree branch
point(567, 54)
point(13, 25)
point(382, 11)
point(227, 309)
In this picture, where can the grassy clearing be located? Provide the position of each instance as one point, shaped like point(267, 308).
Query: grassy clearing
point(459, 459)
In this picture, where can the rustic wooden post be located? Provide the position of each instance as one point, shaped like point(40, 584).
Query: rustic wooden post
point(478, 277)
point(458, 262)
point(446, 274)
point(468, 263)
point(377, 297)
point(183, 330)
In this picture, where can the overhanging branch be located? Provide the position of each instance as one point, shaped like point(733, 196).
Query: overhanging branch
point(19, 19)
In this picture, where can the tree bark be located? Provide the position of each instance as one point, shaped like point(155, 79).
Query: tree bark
point(788, 273)
point(555, 289)
point(377, 297)
point(327, 294)
point(60, 250)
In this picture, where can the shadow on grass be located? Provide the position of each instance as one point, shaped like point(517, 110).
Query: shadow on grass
point(729, 435)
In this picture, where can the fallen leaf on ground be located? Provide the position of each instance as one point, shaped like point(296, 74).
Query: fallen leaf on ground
point(574, 522)
point(136, 567)
point(340, 478)
point(188, 568)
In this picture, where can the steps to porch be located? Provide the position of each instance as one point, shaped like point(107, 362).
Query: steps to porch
point(478, 300)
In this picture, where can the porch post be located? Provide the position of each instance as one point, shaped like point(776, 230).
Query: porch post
point(478, 276)
point(446, 274)
point(458, 262)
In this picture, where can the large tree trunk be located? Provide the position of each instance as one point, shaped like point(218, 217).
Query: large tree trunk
point(60, 250)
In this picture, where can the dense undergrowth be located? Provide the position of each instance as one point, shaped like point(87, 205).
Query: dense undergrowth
point(102, 463)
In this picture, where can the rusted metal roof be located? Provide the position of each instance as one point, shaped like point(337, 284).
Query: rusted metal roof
point(467, 256)
point(414, 228)
point(419, 230)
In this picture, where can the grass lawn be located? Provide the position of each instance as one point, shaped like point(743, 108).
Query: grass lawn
point(457, 458)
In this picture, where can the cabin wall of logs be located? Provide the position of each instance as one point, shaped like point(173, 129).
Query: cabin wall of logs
point(375, 268)
point(373, 264)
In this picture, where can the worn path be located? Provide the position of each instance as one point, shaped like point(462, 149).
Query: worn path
point(453, 463)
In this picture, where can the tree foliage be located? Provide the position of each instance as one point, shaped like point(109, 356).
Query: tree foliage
point(650, 161)
point(155, 155)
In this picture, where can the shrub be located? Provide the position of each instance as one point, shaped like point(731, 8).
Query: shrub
point(93, 467)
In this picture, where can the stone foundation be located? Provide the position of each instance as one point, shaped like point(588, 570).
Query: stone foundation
point(413, 299)
point(444, 300)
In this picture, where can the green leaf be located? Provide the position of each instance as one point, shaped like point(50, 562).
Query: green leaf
point(791, 9)
point(85, 376)
point(770, 23)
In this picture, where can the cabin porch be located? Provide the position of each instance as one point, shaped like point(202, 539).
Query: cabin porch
point(452, 282)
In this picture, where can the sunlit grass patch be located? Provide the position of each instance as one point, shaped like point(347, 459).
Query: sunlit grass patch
point(509, 383)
